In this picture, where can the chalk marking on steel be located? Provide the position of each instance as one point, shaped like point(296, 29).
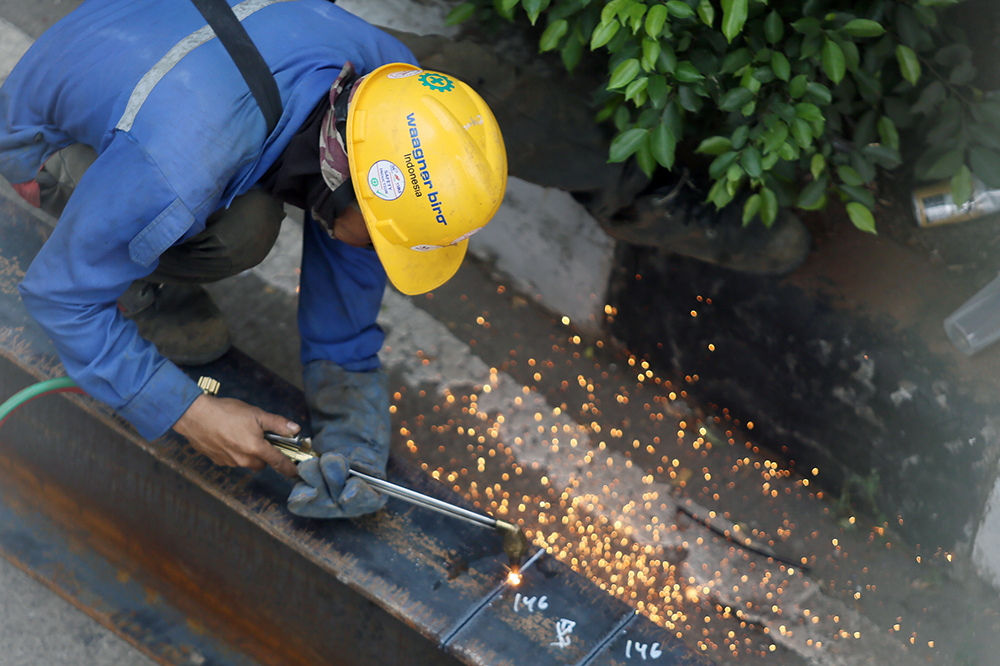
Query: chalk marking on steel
point(604, 642)
point(484, 603)
point(174, 56)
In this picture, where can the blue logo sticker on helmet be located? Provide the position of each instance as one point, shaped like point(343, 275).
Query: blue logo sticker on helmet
point(435, 81)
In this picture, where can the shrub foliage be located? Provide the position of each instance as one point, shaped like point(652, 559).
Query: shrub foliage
point(797, 102)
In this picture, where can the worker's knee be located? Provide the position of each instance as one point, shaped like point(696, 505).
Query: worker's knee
point(60, 175)
point(235, 239)
point(249, 228)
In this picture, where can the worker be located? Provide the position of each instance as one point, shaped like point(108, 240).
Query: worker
point(137, 111)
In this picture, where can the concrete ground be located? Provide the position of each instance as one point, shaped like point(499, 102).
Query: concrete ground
point(600, 456)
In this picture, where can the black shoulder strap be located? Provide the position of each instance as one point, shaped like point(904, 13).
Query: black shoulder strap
point(248, 59)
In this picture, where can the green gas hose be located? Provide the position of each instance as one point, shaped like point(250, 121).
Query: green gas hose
point(57, 385)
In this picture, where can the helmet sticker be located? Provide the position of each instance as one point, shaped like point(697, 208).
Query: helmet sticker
point(386, 180)
point(403, 75)
point(425, 248)
point(436, 81)
point(464, 236)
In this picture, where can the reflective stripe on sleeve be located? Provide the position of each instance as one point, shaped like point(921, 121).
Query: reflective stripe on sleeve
point(174, 56)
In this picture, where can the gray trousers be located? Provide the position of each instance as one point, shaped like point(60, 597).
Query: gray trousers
point(235, 238)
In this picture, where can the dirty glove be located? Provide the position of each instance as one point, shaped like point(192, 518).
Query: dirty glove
point(350, 419)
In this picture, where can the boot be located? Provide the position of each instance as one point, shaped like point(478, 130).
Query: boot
point(677, 219)
point(181, 320)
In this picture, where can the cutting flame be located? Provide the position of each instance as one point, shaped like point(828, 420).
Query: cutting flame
point(514, 578)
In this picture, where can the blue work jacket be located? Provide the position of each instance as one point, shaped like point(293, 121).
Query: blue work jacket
point(178, 135)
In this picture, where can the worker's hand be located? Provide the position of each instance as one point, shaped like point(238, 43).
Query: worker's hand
point(350, 416)
point(231, 433)
point(326, 490)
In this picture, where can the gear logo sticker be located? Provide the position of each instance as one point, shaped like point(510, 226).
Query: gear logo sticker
point(386, 180)
point(436, 82)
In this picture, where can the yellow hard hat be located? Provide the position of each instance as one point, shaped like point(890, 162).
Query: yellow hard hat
point(429, 170)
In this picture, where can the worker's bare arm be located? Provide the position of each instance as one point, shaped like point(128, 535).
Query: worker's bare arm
point(231, 432)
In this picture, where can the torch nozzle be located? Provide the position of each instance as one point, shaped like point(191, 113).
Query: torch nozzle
point(515, 545)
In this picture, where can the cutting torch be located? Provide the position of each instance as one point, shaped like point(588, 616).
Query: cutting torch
point(515, 543)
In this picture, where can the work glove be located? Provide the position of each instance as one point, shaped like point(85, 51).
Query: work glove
point(350, 419)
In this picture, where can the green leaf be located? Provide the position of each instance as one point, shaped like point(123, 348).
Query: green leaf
point(736, 60)
point(706, 12)
point(808, 112)
point(985, 164)
point(663, 145)
point(811, 45)
point(686, 72)
point(655, 18)
point(788, 151)
point(626, 143)
point(818, 93)
point(735, 99)
point(680, 9)
point(779, 63)
point(887, 132)
point(634, 18)
point(961, 186)
point(658, 91)
point(750, 161)
point(775, 137)
point(864, 129)
point(861, 217)
point(719, 194)
point(739, 137)
point(461, 13)
point(808, 26)
point(667, 61)
point(550, 38)
point(624, 73)
point(869, 87)
point(863, 28)
point(833, 61)
point(751, 208)
point(734, 15)
point(603, 33)
point(859, 194)
point(674, 119)
point(802, 133)
point(507, 6)
point(849, 176)
point(817, 165)
point(610, 10)
point(768, 207)
point(637, 90)
point(930, 98)
point(963, 74)
point(735, 173)
point(644, 156)
point(533, 9)
point(650, 54)
point(722, 163)
point(908, 63)
point(689, 99)
point(946, 166)
point(797, 88)
point(714, 145)
point(884, 156)
point(852, 57)
point(813, 195)
point(572, 51)
point(774, 27)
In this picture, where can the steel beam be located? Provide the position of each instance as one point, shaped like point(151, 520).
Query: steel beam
point(199, 564)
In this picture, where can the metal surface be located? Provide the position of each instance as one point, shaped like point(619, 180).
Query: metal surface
point(216, 550)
